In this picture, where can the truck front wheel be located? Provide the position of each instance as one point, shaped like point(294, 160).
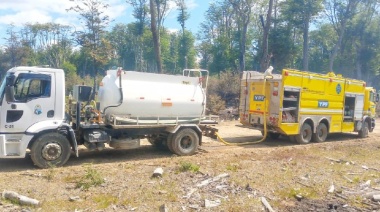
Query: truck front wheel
point(363, 133)
point(49, 150)
point(305, 134)
point(185, 142)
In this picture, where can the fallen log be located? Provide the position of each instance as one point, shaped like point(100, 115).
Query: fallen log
point(22, 200)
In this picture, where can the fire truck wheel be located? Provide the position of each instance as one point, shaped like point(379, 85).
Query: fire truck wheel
point(185, 142)
point(363, 133)
point(50, 150)
point(274, 135)
point(321, 134)
point(305, 134)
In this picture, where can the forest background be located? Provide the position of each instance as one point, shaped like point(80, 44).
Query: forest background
point(342, 36)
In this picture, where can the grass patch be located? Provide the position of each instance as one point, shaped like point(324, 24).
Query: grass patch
point(103, 201)
point(187, 166)
point(234, 167)
point(51, 173)
point(91, 178)
point(309, 193)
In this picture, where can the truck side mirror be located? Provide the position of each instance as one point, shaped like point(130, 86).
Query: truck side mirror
point(10, 94)
point(377, 97)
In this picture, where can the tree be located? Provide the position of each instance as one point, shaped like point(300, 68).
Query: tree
point(140, 12)
point(16, 52)
point(182, 17)
point(265, 58)
point(91, 38)
point(155, 34)
point(339, 12)
point(243, 10)
point(300, 13)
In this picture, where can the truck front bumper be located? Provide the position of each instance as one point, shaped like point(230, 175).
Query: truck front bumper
point(14, 145)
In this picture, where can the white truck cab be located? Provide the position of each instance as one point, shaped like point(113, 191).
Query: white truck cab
point(32, 103)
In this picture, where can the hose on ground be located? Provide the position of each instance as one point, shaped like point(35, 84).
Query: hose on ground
point(265, 125)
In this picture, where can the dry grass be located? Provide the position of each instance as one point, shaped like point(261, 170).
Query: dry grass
point(277, 170)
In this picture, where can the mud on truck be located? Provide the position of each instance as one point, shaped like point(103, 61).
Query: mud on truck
point(165, 109)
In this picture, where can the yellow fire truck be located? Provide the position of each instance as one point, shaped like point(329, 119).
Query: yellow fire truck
point(306, 106)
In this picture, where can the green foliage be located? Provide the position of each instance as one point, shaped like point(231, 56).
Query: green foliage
point(91, 178)
point(188, 166)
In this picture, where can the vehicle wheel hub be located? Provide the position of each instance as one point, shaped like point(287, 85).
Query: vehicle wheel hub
point(51, 151)
point(186, 142)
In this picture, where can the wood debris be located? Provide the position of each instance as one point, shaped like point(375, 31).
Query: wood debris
point(266, 204)
point(214, 179)
point(22, 200)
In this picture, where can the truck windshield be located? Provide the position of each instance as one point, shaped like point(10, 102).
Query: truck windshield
point(2, 88)
point(372, 96)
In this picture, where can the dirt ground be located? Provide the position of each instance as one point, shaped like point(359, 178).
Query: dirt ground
point(341, 174)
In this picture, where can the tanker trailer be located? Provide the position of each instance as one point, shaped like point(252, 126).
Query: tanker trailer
point(165, 109)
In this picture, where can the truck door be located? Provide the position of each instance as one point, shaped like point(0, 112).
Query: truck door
point(359, 106)
point(34, 95)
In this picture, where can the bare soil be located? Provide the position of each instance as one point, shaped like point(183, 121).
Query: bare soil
point(289, 176)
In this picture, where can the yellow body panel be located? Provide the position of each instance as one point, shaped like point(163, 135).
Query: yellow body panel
point(348, 127)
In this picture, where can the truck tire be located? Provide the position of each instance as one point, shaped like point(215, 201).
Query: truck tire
point(363, 133)
point(305, 134)
point(50, 150)
point(321, 134)
point(185, 142)
point(169, 142)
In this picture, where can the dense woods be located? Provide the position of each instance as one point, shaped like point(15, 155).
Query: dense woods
point(236, 35)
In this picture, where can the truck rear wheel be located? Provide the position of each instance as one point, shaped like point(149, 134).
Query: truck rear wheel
point(321, 134)
point(49, 150)
point(185, 142)
point(169, 142)
point(305, 134)
point(363, 133)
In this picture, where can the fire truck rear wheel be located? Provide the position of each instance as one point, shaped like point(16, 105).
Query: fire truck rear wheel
point(50, 150)
point(185, 142)
point(363, 133)
point(321, 134)
point(305, 134)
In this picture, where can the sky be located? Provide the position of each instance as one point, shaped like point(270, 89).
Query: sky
point(19, 12)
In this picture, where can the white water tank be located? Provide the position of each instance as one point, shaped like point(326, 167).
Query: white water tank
point(151, 96)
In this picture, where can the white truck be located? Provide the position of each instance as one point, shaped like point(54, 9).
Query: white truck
point(165, 109)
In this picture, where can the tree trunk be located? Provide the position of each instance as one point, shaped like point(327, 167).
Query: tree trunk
point(305, 53)
point(336, 47)
point(156, 38)
point(265, 59)
point(242, 47)
point(359, 69)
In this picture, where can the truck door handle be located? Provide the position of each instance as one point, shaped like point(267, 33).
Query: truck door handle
point(50, 113)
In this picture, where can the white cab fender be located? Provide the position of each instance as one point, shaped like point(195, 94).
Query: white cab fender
point(44, 125)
